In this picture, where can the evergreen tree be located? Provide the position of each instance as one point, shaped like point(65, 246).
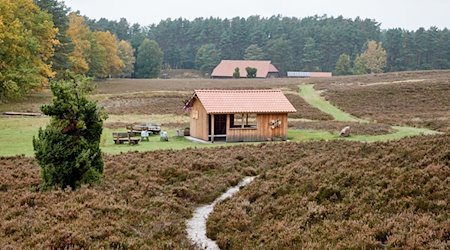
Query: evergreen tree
point(226, 46)
point(68, 149)
point(59, 13)
point(310, 56)
point(393, 43)
point(280, 52)
point(254, 52)
point(149, 59)
point(343, 65)
point(208, 56)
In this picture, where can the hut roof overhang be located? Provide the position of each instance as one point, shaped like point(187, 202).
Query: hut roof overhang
point(242, 101)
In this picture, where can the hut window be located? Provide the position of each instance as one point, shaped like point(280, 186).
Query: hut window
point(243, 121)
point(250, 121)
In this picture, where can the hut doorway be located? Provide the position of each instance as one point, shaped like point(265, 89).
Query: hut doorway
point(217, 125)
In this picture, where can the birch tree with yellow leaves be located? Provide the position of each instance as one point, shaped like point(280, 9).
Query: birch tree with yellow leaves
point(78, 32)
point(373, 60)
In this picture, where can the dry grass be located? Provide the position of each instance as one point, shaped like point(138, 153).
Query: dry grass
point(155, 104)
point(421, 104)
point(123, 86)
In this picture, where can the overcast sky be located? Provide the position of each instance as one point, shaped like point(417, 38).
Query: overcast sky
point(407, 14)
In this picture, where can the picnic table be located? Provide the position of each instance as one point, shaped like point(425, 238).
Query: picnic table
point(137, 128)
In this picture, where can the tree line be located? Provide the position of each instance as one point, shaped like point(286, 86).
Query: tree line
point(292, 44)
point(42, 39)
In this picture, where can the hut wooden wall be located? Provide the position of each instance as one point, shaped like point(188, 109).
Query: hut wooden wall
point(263, 130)
point(199, 121)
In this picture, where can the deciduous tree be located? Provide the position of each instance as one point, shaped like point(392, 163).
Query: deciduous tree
point(114, 65)
point(59, 13)
point(96, 58)
point(126, 54)
point(251, 72)
point(343, 65)
point(236, 73)
point(360, 66)
point(27, 40)
point(374, 57)
point(79, 33)
point(149, 59)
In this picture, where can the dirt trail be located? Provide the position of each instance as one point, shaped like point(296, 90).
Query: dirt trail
point(196, 226)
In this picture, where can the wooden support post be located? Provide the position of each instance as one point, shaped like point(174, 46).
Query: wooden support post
point(212, 128)
point(242, 123)
point(246, 119)
point(228, 126)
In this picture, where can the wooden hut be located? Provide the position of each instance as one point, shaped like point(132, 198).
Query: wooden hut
point(239, 115)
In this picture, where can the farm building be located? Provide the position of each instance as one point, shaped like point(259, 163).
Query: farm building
point(239, 115)
point(299, 74)
point(225, 69)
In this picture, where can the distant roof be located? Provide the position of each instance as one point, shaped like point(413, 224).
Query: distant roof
point(226, 68)
point(244, 101)
point(308, 74)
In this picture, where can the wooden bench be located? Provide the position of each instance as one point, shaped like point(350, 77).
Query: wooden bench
point(121, 137)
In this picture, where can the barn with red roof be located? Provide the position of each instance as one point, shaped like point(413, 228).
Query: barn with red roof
point(226, 68)
point(239, 115)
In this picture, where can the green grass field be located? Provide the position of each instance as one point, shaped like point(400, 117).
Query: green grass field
point(313, 97)
point(16, 133)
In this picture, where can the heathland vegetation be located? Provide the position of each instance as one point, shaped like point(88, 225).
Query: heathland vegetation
point(145, 197)
point(391, 193)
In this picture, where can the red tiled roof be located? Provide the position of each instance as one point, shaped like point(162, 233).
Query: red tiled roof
point(226, 68)
point(244, 101)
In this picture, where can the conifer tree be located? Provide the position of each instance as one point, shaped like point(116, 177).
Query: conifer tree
point(68, 149)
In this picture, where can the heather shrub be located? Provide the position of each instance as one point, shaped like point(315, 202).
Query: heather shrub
point(68, 149)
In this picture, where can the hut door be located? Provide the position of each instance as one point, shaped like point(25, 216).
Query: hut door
point(220, 124)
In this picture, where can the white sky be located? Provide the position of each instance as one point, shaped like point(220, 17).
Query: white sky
point(407, 14)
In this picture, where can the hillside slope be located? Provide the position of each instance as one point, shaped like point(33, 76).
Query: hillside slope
point(345, 196)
